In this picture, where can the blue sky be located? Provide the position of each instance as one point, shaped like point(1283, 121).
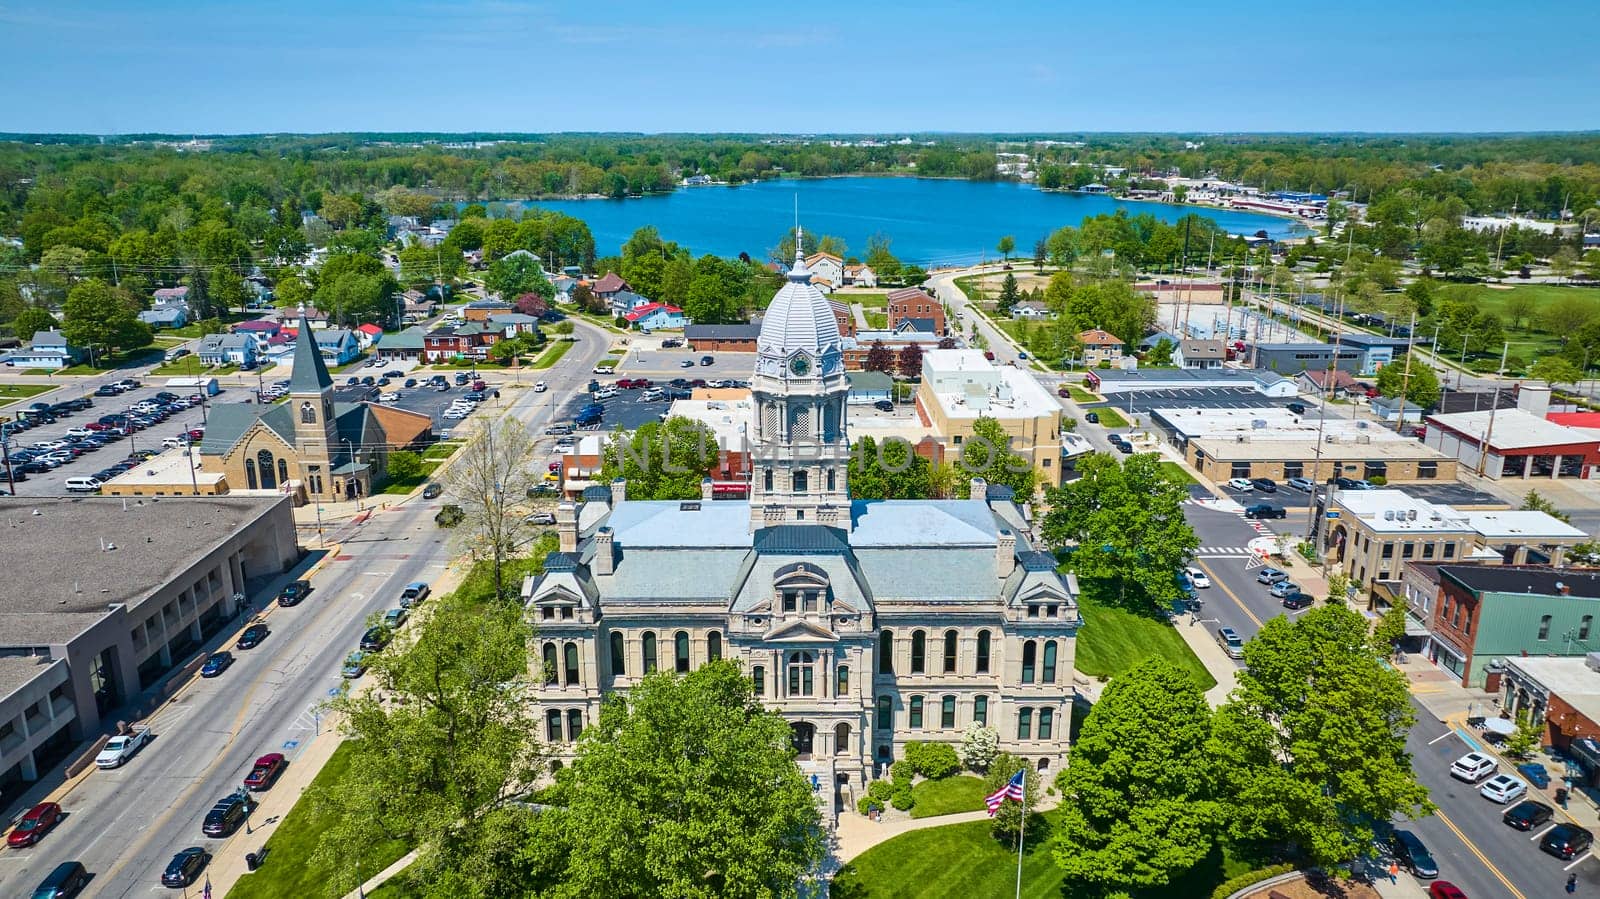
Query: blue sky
point(112, 66)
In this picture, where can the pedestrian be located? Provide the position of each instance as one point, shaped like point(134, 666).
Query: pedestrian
point(1394, 872)
point(1572, 883)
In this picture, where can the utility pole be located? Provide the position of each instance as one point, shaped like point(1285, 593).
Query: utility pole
point(1488, 432)
point(1502, 244)
point(1405, 378)
point(5, 455)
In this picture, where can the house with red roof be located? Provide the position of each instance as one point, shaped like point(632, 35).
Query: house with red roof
point(368, 334)
point(657, 317)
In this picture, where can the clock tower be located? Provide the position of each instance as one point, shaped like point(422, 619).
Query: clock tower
point(799, 454)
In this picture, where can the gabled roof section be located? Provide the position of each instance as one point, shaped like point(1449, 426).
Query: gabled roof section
point(923, 523)
point(800, 540)
point(310, 372)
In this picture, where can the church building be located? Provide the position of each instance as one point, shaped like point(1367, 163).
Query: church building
point(866, 624)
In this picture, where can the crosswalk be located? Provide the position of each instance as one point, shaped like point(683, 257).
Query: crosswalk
point(1223, 552)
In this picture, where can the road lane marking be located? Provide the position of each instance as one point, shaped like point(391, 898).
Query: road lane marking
point(1225, 589)
point(1541, 833)
point(1445, 735)
point(1473, 848)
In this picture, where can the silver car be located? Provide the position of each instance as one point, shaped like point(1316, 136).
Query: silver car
point(1270, 575)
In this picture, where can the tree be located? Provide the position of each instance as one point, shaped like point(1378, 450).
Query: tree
point(1519, 306)
point(882, 262)
point(1338, 588)
point(1127, 521)
point(1537, 502)
point(517, 274)
point(586, 299)
point(489, 480)
point(1040, 251)
point(1311, 745)
point(1555, 370)
point(1420, 388)
point(1139, 805)
point(227, 289)
point(1525, 738)
point(686, 786)
point(31, 320)
point(99, 317)
point(1390, 630)
point(879, 358)
point(439, 748)
point(988, 454)
point(909, 361)
point(1565, 316)
point(913, 275)
point(1564, 263)
point(1007, 821)
point(979, 745)
point(707, 300)
point(1161, 353)
point(1009, 295)
point(1005, 246)
point(888, 470)
point(403, 466)
point(531, 304)
point(661, 460)
point(353, 287)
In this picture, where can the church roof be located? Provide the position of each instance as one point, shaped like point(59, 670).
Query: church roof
point(800, 317)
point(310, 372)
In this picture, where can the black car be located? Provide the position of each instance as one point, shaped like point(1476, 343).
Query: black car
point(352, 381)
point(216, 663)
point(1527, 815)
point(410, 382)
point(383, 382)
point(185, 867)
point(1124, 447)
point(107, 390)
point(1351, 484)
point(1409, 851)
point(375, 639)
point(707, 360)
point(883, 406)
point(1263, 510)
point(1093, 417)
point(252, 636)
point(67, 880)
point(462, 378)
point(1265, 485)
point(432, 491)
point(292, 594)
point(1297, 601)
point(226, 816)
point(1566, 841)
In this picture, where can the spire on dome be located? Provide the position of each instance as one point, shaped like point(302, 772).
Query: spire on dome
point(799, 272)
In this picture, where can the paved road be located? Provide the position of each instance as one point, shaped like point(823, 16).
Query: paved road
point(125, 825)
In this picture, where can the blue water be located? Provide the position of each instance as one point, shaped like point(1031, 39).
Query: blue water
point(930, 221)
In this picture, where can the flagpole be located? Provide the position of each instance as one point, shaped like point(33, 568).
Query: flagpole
point(1021, 829)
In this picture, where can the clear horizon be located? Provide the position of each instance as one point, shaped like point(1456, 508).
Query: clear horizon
point(509, 66)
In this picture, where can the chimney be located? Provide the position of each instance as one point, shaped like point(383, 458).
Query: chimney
point(567, 527)
point(979, 489)
point(1533, 399)
point(1005, 554)
point(705, 489)
point(605, 560)
point(619, 491)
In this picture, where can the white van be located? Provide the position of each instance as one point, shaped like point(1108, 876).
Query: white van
point(83, 485)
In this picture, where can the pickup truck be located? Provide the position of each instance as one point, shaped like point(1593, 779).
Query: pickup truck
point(265, 771)
point(122, 747)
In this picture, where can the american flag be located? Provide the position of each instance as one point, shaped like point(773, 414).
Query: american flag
point(1012, 790)
point(208, 887)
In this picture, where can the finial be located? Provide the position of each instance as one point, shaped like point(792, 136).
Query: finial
point(799, 243)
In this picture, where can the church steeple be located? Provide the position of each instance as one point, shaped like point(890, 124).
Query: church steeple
point(311, 398)
point(310, 372)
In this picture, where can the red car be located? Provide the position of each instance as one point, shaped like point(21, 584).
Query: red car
point(34, 825)
point(479, 386)
point(196, 433)
point(265, 771)
point(1444, 889)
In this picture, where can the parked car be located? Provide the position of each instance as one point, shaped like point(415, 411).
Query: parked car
point(38, 821)
point(1296, 601)
point(1566, 841)
point(1093, 417)
point(1265, 485)
point(185, 867)
point(216, 663)
point(355, 665)
point(1503, 788)
point(393, 618)
point(1270, 575)
point(413, 594)
point(541, 518)
point(1265, 510)
point(292, 594)
point(1444, 889)
point(1197, 577)
point(1351, 484)
point(1410, 852)
point(1244, 485)
point(375, 639)
point(1528, 814)
point(119, 749)
point(226, 816)
point(67, 880)
point(253, 635)
point(1473, 767)
point(265, 771)
point(1305, 485)
point(1228, 639)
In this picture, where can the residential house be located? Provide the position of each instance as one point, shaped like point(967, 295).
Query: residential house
point(625, 301)
point(48, 349)
point(564, 285)
point(171, 296)
point(338, 345)
point(480, 310)
point(513, 323)
point(367, 335)
point(418, 305)
point(656, 317)
point(912, 302)
point(1200, 354)
point(868, 387)
point(470, 340)
point(860, 275)
point(408, 344)
point(1388, 410)
point(1100, 346)
point(1345, 384)
point(165, 317)
point(1488, 615)
point(1031, 310)
point(609, 286)
point(240, 350)
point(826, 267)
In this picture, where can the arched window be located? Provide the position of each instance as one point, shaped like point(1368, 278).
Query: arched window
point(250, 474)
point(802, 672)
point(264, 469)
point(1049, 664)
point(308, 414)
point(983, 652)
point(1046, 721)
point(950, 638)
point(619, 654)
point(714, 646)
point(919, 651)
point(574, 724)
point(947, 712)
point(649, 645)
point(552, 665)
point(885, 713)
point(916, 712)
point(841, 739)
point(570, 651)
point(283, 471)
point(841, 680)
point(980, 711)
point(1025, 724)
point(886, 652)
point(1030, 652)
point(680, 652)
point(758, 679)
point(552, 725)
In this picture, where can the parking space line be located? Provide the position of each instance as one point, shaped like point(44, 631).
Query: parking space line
point(1447, 734)
point(1578, 861)
point(1541, 833)
point(1225, 589)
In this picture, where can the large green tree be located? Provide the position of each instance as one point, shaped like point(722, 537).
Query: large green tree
point(516, 275)
point(988, 454)
point(661, 460)
point(354, 288)
point(1140, 805)
point(1420, 387)
point(686, 787)
point(888, 470)
point(101, 318)
point(30, 320)
point(1311, 746)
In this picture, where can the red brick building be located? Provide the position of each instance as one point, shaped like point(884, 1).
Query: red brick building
point(911, 303)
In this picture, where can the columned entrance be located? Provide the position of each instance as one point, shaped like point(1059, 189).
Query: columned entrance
point(804, 737)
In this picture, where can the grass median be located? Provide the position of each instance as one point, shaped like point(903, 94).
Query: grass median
point(1109, 417)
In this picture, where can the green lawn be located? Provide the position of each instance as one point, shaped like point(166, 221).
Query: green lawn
point(442, 450)
point(960, 861)
point(191, 365)
point(952, 795)
point(401, 487)
point(1079, 395)
point(1109, 417)
point(1529, 340)
point(9, 392)
point(1178, 473)
point(1114, 639)
point(867, 300)
point(552, 355)
point(876, 320)
point(289, 870)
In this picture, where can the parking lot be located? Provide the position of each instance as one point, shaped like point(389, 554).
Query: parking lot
point(52, 483)
point(1143, 402)
point(622, 411)
point(658, 364)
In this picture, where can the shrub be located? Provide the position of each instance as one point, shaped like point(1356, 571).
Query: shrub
point(936, 760)
point(1229, 887)
point(1377, 480)
point(903, 800)
point(866, 805)
point(404, 466)
point(880, 790)
point(901, 773)
point(979, 745)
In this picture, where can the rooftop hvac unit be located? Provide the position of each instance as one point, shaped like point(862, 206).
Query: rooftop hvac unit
point(1388, 515)
point(1411, 514)
point(1592, 660)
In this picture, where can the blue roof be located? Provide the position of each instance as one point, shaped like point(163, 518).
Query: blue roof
point(922, 522)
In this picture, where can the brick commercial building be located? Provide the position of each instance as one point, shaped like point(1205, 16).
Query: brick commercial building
point(722, 338)
point(912, 304)
point(1562, 695)
point(1487, 615)
point(1517, 443)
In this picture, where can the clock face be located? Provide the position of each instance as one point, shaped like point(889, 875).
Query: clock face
point(800, 365)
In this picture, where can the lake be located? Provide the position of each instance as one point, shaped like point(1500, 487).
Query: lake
point(930, 221)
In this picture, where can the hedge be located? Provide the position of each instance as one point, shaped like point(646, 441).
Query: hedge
point(1249, 878)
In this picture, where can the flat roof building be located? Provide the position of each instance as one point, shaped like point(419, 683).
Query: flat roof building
point(1109, 381)
point(1517, 443)
point(1561, 695)
point(1293, 358)
point(959, 386)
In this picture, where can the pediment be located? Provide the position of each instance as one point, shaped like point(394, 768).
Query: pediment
point(800, 632)
point(1041, 591)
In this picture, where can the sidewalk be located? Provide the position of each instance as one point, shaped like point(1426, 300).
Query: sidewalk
point(1198, 635)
